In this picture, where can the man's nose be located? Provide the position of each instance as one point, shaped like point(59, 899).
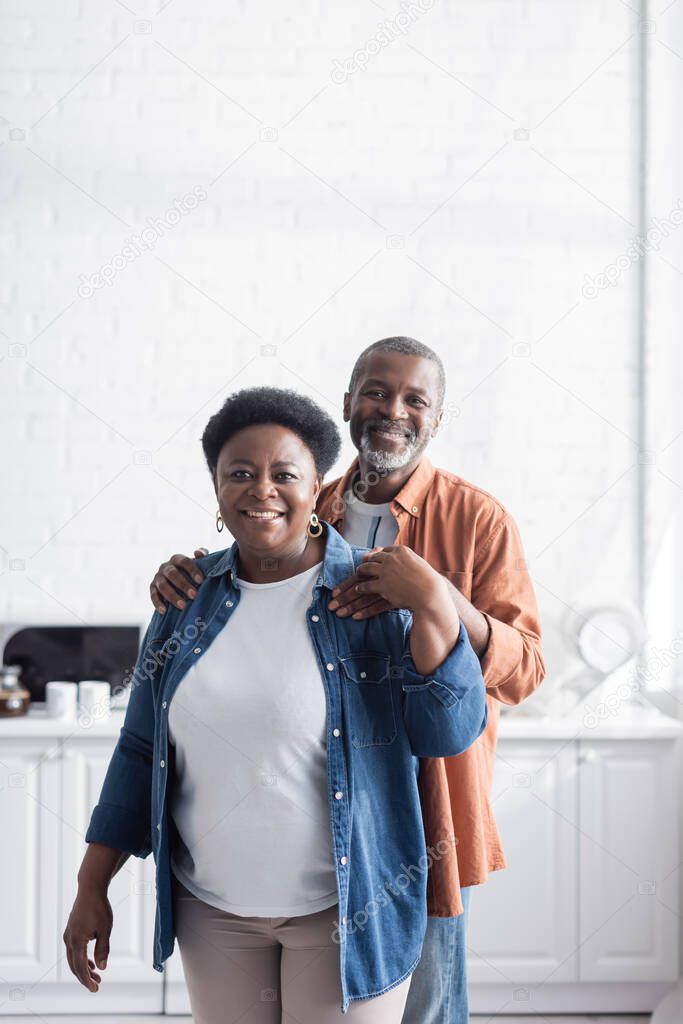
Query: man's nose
point(394, 409)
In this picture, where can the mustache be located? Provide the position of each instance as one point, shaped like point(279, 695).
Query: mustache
point(383, 425)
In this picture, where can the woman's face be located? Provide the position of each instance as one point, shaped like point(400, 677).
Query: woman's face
point(266, 468)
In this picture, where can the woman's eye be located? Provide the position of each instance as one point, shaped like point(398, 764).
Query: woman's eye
point(236, 472)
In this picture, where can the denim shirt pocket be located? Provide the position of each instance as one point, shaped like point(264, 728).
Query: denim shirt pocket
point(442, 693)
point(369, 695)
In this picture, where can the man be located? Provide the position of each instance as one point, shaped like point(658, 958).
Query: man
point(392, 494)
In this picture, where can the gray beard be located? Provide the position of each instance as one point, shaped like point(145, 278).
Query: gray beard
point(385, 462)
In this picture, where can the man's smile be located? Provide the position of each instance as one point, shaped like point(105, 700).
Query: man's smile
point(390, 432)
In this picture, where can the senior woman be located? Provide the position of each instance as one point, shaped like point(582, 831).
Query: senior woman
point(269, 753)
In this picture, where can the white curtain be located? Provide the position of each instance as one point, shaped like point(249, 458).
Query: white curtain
point(663, 359)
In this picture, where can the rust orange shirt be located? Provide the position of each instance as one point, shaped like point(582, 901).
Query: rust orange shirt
point(469, 537)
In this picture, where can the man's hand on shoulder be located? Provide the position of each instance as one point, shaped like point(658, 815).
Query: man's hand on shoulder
point(176, 580)
point(387, 577)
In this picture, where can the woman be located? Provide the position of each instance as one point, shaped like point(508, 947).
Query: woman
point(283, 814)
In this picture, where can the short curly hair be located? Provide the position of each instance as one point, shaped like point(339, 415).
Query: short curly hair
point(281, 406)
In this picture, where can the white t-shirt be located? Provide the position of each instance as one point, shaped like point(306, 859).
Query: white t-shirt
point(248, 722)
point(367, 525)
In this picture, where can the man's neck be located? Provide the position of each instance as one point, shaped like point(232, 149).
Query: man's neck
point(379, 491)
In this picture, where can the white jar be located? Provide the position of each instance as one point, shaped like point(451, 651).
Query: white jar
point(61, 699)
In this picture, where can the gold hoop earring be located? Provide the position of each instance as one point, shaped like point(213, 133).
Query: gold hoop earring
point(219, 520)
point(314, 528)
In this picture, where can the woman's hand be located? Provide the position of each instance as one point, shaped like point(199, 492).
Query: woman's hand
point(176, 579)
point(389, 577)
point(91, 917)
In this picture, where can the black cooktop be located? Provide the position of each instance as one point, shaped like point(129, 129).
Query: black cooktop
point(73, 653)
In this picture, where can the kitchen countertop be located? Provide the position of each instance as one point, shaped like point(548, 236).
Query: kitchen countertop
point(627, 724)
point(37, 724)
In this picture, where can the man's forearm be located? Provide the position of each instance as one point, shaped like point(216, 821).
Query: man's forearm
point(434, 631)
point(475, 623)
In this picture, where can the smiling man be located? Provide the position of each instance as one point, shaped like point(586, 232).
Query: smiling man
point(392, 494)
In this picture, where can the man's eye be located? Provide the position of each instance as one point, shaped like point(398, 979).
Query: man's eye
point(379, 394)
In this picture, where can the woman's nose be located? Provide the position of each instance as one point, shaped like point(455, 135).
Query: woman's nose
point(262, 488)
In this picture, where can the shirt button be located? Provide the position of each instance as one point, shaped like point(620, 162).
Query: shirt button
point(228, 604)
point(162, 763)
point(159, 827)
point(338, 795)
point(315, 618)
point(335, 732)
point(343, 860)
point(414, 508)
point(163, 704)
point(343, 920)
point(329, 666)
point(197, 650)
point(363, 675)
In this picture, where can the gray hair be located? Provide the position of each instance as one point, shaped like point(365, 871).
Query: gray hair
point(405, 346)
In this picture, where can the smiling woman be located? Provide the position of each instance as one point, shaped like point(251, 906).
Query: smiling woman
point(268, 451)
point(313, 724)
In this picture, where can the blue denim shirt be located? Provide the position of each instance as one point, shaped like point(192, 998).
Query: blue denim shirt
point(382, 715)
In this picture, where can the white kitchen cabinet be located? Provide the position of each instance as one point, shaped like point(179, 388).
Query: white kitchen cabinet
point(628, 861)
point(29, 872)
point(49, 783)
point(583, 920)
point(585, 917)
point(524, 922)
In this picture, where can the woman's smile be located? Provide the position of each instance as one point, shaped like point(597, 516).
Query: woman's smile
point(263, 513)
point(262, 519)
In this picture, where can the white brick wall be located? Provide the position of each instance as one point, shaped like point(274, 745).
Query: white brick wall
point(110, 116)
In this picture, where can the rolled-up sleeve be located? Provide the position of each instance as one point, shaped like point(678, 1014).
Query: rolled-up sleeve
point(122, 817)
point(502, 591)
point(446, 710)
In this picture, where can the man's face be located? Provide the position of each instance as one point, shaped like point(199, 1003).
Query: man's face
point(393, 411)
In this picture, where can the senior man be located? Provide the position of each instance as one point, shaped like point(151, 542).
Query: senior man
point(392, 494)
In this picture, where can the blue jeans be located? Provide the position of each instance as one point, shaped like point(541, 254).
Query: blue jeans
point(438, 987)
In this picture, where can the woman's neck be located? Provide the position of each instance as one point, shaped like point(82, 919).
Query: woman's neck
point(257, 567)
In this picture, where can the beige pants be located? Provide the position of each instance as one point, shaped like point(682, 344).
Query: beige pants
point(268, 970)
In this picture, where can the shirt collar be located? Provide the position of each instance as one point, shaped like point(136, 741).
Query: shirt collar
point(337, 565)
point(411, 497)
